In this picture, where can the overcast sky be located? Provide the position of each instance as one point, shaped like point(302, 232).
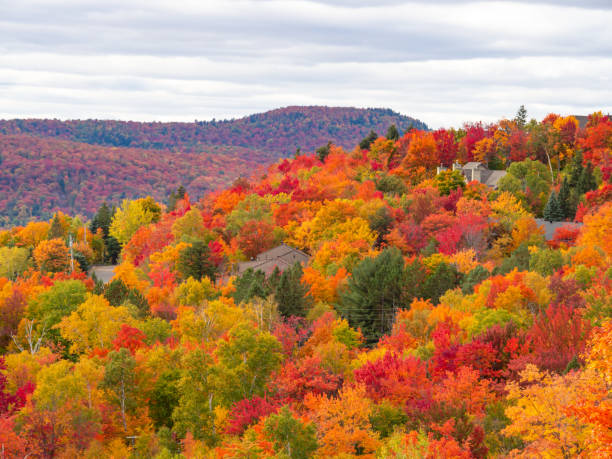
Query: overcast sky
point(443, 62)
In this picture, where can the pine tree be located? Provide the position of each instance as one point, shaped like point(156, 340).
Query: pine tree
point(367, 140)
point(323, 152)
point(586, 181)
point(102, 219)
point(521, 117)
point(56, 230)
point(392, 133)
point(552, 211)
point(291, 295)
point(564, 201)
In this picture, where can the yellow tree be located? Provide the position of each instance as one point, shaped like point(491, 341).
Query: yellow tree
point(94, 324)
point(539, 417)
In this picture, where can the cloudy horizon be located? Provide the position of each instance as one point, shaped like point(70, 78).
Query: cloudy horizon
point(442, 62)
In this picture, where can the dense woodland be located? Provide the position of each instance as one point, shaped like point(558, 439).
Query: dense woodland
point(433, 320)
point(74, 166)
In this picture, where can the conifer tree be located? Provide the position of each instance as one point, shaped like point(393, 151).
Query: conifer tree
point(564, 200)
point(392, 133)
point(56, 230)
point(291, 295)
point(552, 210)
point(367, 140)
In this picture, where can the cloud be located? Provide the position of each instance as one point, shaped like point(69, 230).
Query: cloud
point(443, 62)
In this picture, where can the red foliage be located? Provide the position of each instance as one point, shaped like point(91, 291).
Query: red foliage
point(296, 379)
point(247, 412)
point(447, 147)
point(130, 338)
point(399, 380)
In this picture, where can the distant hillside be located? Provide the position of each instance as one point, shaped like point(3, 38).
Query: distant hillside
point(73, 166)
point(278, 131)
point(39, 176)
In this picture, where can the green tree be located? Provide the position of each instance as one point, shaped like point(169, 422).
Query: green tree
point(13, 261)
point(197, 397)
point(56, 230)
point(290, 436)
point(194, 261)
point(164, 398)
point(102, 219)
point(473, 278)
point(246, 361)
point(447, 181)
point(393, 133)
point(552, 210)
point(291, 295)
point(564, 200)
point(377, 288)
point(323, 152)
point(586, 181)
point(51, 306)
point(521, 117)
point(367, 140)
point(444, 277)
point(120, 382)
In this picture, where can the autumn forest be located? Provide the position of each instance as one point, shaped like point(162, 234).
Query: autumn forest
point(449, 295)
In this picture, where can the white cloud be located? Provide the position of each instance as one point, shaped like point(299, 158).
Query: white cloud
point(443, 62)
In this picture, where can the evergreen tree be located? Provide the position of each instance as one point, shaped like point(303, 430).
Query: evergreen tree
point(250, 284)
point(473, 278)
point(552, 210)
point(367, 140)
point(176, 196)
point(194, 262)
point(564, 200)
point(445, 277)
point(323, 152)
point(378, 287)
point(521, 117)
point(291, 295)
point(102, 219)
point(392, 133)
point(56, 230)
point(586, 181)
point(112, 250)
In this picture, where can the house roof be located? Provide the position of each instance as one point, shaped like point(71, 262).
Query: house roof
point(493, 178)
point(283, 256)
point(551, 227)
point(474, 165)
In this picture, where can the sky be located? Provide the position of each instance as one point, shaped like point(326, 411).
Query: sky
point(443, 62)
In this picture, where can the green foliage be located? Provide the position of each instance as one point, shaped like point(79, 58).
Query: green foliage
point(529, 181)
point(175, 196)
point(519, 259)
point(117, 294)
point(447, 181)
point(393, 133)
point(60, 300)
point(545, 261)
point(553, 211)
point(380, 222)
point(194, 411)
point(390, 184)
point(323, 152)
point(290, 436)
point(56, 230)
point(253, 284)
point(194, 261)
point(521, 117)
point(444, 277)
point(385, 418)
point(119, 382)
point(291, 295)
point(246, 362)
point(367, 140)
point(14, 261)
point(164, 398)
point(378, 287)
point(253, 207)
point(155, 330)
point(473, 278)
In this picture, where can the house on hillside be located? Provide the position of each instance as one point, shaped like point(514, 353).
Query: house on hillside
point(281, 257)
point(478, 172)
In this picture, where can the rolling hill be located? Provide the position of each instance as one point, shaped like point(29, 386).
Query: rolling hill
point(75, 165)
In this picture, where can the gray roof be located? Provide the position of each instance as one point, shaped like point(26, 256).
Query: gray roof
point(474, 165)
point(493, 178)
point(551, 227)
point(283, 256)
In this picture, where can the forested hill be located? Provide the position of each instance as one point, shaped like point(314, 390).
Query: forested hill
point(279, 131)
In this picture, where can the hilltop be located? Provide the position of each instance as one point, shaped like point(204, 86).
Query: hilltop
point(75, 165)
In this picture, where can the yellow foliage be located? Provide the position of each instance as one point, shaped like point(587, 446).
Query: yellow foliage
point(131, 276)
